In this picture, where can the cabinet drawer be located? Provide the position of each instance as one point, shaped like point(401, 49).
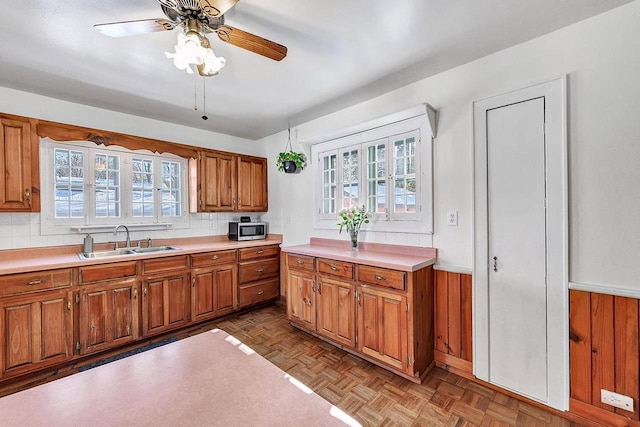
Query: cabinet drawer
point(381, 277)
point(94, 273)
point(300, 262)
point(37, 281)
point(214, 258)
point(335, 268)
point(259, 292)
point(257, 270)
point(158, 265)
point(257, 252)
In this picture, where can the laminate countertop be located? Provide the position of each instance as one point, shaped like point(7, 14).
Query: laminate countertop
point(34, 259)
point(397, 257)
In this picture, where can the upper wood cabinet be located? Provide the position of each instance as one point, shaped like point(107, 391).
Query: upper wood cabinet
point(252, 184)
point(217, 188)
point(231, 183)
point(20, 182)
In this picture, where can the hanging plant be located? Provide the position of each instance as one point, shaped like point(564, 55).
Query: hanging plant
point(290, 161)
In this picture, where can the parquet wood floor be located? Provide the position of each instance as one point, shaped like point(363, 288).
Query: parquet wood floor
point(372, 395)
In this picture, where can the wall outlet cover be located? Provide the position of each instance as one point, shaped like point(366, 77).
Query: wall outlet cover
point(615, 399)
point(452, 217)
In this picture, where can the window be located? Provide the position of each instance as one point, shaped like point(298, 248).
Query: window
point(94, 186)
point(380, 169)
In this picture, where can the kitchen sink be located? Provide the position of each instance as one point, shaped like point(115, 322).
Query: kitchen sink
point(152, 249)
point(106, 254)
point(125, 251)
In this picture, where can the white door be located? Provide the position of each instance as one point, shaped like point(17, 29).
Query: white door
point(519, 243)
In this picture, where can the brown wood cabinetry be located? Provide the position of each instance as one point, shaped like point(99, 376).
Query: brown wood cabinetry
point(51, 317)
point(20, 183)
point(381, 314)
point(252, 184)
point(37, 331)
point(258, 275)
point(109, 306)
point(382, 326)
point(165, 294)
point(214, 285)
point(217, 188)
point(230, 182)
point(108, 315)
point(336, 310)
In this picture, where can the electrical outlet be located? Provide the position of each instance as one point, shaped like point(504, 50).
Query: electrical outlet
point(213, 225)
point(287, 220)
point(618, 400)
point(452, 217)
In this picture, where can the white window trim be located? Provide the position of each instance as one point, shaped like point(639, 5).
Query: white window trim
point(423, 224)
point(50, 225)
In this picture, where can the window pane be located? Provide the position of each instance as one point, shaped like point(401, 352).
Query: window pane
point(350, 178)
point(68, 183)
point(170, 189)
point(328, 174)
point(405, 175)
point(376, 178)
point(107, 185)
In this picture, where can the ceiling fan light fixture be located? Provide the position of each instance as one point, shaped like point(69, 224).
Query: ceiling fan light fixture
point(193, 49)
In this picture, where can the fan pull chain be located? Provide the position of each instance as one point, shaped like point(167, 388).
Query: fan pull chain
point(204, 99)
point(195, 96)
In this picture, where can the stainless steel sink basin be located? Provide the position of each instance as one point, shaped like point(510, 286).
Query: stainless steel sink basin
point(125, 251)
point(105, 254)
point(153, 249)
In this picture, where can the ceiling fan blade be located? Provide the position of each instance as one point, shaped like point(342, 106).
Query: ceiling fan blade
point(251, 42)
point(216, 8)
point(132, 28)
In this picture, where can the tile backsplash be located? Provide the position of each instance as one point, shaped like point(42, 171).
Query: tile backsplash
point(22, 230)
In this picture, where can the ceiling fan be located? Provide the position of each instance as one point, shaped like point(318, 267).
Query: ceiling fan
point(197, 18)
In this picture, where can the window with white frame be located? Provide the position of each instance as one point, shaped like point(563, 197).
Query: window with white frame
point(88, 185)
point(387, 169)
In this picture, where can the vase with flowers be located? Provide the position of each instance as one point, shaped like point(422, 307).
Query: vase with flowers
point(352, 219)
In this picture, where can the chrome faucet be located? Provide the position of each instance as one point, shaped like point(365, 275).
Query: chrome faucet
point(128, 243)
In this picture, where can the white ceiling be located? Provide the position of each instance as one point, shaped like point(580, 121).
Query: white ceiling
point(340, 53)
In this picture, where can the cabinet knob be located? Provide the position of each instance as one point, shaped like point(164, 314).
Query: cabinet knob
point(260, 292)
point(299, 262)
point(36, 282)
point(260, 270)
point(379, 277)
point(215, 257)
point(27, 196)
point(260, 252)
point(333, 268)
point(69, 305)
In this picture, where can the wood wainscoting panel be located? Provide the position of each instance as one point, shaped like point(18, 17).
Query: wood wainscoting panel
point(604, 354)
point(453, 323)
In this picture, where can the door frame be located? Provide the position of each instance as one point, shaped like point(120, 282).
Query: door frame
point(554, 92)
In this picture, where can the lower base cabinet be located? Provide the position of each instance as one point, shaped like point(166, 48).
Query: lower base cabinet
point(37, 331)
point(51, 317)
point(165, 304)
point(108, 315)
point(381, 314)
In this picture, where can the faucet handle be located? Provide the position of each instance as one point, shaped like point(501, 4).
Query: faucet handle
point(149, 242)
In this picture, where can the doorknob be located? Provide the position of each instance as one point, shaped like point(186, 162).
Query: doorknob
point(495, 263)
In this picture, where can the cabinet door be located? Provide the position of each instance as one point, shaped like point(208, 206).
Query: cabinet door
point(382, 326)
point(214, 292)
point(16, 151)
point(108, 315)
point(336, 311)
point(252, 184)
point(301, 299)
point(165, 303)
point(37, 331)
point(217, 182)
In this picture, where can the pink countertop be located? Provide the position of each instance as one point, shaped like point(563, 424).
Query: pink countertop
point(26, 260)
point(405, 258)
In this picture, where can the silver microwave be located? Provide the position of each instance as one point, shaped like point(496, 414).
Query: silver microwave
point(247, 230)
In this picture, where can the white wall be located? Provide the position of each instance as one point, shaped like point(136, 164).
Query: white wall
point(18, 230)
point(601, 57)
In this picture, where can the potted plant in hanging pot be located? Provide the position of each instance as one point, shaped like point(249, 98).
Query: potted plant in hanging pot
point(290, 161)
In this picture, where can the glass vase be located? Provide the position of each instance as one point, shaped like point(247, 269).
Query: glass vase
point(354, 240)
